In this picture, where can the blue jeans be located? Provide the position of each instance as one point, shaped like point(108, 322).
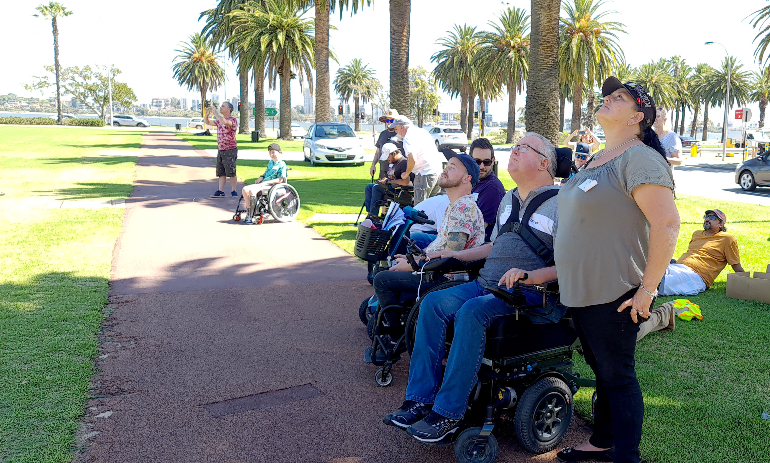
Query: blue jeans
point(372, 193)
point(423, 239)
point(472, 309)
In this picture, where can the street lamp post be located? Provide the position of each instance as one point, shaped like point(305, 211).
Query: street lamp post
point(727, 98)
point(109, 80)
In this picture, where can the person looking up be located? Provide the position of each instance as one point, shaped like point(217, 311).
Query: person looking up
point(227, 147)
point(669, 140)
point(423, 158)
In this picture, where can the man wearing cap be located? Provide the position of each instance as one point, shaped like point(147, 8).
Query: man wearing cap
point(709, 251)
point(386, 136)
point(436, 403)
point(582, 152)
point(274, 173)
point(374, 192)
point(424, 158)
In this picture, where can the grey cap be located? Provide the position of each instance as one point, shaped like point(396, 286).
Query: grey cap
point(400, 121)
point(388, 148)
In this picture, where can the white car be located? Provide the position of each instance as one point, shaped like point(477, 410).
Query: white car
point(449, 137)
point(332, 143)
point(296, 131)
point(128, 121)
point(198, 123)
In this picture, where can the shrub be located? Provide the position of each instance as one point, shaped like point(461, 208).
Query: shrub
point(498, 138)
point(84, 122)
point(27, 120)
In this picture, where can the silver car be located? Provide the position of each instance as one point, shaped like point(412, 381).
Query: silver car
point(332, 143)
point(449, 137)
point(128, 121)
point(754, 172)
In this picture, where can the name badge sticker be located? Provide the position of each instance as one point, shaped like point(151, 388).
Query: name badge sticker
point(588, 184)
point(506, 213)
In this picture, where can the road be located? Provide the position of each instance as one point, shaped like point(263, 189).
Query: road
point(717, 182)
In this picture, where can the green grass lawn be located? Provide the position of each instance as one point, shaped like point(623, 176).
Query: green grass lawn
point(54, 277)
point(244, 142)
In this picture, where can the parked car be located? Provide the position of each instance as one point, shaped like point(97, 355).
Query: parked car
point(753, 172)
point(197, 123)
point(449, 137)
point(331, 143)
point(296, 131)
point(687, 142)
point(128, 121)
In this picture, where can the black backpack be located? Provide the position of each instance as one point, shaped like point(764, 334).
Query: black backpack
point(522, 228)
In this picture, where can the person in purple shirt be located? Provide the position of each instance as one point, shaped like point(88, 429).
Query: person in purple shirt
point(490, 189)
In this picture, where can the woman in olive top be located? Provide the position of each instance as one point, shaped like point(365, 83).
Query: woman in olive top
point(617, 230)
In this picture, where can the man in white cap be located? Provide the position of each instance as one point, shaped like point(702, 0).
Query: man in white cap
point(374, 192)
point(424, 159)
point(386, 136)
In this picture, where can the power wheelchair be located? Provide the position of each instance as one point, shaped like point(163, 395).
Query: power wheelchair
point(526, 378)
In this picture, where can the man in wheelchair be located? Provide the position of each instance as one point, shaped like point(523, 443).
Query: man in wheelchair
point(375, 192)
point(274, 173)
point(434, 408)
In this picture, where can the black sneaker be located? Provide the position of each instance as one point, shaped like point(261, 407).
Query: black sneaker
point(233, 194)
point(409, 413)
point(433, 428)
point(218, 194)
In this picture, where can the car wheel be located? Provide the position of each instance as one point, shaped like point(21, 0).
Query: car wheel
point(312, 159)
point(747, 181)
point(140, 125)
point(199, 127)
point(115, 124)
point(438, 145)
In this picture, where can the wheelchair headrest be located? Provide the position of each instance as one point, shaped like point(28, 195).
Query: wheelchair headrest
point(563, 162)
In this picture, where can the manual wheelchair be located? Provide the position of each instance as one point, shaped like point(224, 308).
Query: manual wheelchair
point(281, 202)
point(525, 378)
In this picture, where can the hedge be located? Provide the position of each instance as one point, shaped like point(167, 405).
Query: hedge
point(48, 121)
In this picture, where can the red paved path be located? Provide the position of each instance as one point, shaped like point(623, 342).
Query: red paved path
point(207, 311)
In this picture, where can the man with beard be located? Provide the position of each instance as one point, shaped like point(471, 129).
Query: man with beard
point(461, 228)
point(708, 253)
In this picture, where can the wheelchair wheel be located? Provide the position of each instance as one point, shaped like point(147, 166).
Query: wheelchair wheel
point(283, 202)
point(382, 377)
point(363, 311)
point(237, 217)
point(411, 321)
point(470, 449)
point(543, 415)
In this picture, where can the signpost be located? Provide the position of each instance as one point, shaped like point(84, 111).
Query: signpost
point(739, 114)
point(270, 112)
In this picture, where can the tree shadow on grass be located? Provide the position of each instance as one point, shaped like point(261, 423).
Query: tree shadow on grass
point(90, 191)
point(105, 160)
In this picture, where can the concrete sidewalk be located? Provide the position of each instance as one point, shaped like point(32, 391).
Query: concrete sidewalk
point(236, 343)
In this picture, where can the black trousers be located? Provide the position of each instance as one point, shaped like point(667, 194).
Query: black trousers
point(609, 345)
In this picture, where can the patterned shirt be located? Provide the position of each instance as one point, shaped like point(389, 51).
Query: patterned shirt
point(462, 216)
point(274, 170)
point(226, 135)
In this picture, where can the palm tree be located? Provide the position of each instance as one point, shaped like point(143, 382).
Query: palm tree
point(542, 107)
point(197, 68)
point(284, 40)
point(760, 92)
point(218, 29)
point(740, 86)
point(683, 96)
point(760, 18)
point(588, 49)
point(502, 58)
point(358, 81)
point(51, 12)
point(400, 10)
point(454, 70)
point(324, 8)
point(657, 78)
point(699, 95)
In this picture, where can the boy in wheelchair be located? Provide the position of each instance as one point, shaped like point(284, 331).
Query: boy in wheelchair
point(434, 408)
point(274, 173)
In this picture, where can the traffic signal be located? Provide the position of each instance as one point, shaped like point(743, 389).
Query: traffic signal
point(339, 110)
point(239, 106)
point(475, 114)
point(363, 115)
point(434, 112)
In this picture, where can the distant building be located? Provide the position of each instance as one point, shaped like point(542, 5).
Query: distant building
point(270, 104)
point(487, 118)
point(308, 106)
point(215, 97)
point(160, 103)
point(195, 105)
point(448, 117)
point(76, 104)
point(235, 102)
point(183, 103)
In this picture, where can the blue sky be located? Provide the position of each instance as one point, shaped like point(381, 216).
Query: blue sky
point(140, 37)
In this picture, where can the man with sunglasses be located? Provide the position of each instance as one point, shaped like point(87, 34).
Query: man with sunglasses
point(490, 189)
point(386, 136)
point(709, 251)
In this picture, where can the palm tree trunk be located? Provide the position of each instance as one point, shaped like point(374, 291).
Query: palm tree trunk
point(705, 121)
point(511, 112)
point(203, 105)
point(675, 128)
point(483, 108)
point(358, 114)
point(243, 77)
point(259, 98)
point(284, 121)
point(562, 109)
point(471, 109)
point(694, 125)
point(762, 107)
point(400, 11)
point(541, 109)
point(322, 92)
point(590, 109)
point(577, 103)
point(463, 109)
point(681, 123)
point(57, 67)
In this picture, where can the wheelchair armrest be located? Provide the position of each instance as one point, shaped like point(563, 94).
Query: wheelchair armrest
point(513, 299)
point(402, 187)
point(452, 265)
point(551, 287)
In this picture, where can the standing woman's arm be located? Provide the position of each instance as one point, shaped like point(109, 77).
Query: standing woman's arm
point(657, 204)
